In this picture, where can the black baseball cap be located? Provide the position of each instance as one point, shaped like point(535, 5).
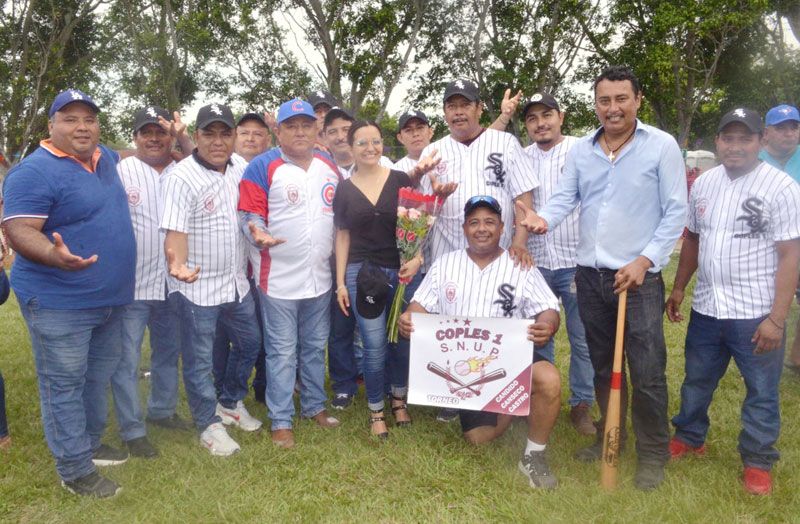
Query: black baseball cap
point(750, 118)
point(410, 115)
point(372, 290)
point(338, 112)
point(316, 98)
point(258, 117)
point(486, 201)
point(546, 99)
point(462, 87)
point(149, 115)
point(211, 113)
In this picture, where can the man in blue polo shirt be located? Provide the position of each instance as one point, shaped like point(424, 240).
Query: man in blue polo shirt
point(66, 215)
point(781, 138)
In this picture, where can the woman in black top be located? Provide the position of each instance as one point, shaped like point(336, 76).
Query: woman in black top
point(365, 214)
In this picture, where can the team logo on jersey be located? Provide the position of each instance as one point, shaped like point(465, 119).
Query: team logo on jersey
point(208, 204)
point(328, 192)
point(134, 196)
point(496, 169)
point(753, 218)
point(700, 207)
point(450, 292)
point(292, 194)
point(506, 300)
point(441, 168)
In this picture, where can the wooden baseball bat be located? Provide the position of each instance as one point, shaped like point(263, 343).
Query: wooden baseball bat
point(438, 370)
point(489, 377)
point(611, 435)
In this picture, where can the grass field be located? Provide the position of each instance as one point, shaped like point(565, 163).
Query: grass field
point(424, 474)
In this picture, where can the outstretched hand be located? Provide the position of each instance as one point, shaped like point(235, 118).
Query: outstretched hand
point(174, 127)
point(62, 258)
point(510, 103)
point(262, 239)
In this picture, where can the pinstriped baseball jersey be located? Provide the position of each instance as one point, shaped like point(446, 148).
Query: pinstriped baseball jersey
point(455, 285)
point(493, 164)
point(202, 203)
point(738, 222)
point(556, 249)
point(405, 164)
point(144, 185)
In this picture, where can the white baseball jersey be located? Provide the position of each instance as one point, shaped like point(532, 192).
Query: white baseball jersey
point(493, 164)
point(202, 203)
point(405, 164)
point(557, 248)
point(297, 206)
point(738, 222)
point(455, 285)
point(144, 185)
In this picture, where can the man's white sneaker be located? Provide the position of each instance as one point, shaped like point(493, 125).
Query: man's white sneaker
point(216, 440)
point(238, 416)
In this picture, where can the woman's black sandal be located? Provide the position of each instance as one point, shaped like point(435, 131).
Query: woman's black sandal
point(374, 419)
point(400, 407)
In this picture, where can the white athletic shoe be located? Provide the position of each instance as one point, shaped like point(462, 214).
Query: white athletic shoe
point(238, 416)
point(216, 440)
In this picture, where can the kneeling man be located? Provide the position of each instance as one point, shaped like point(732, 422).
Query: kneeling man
point(495, 287)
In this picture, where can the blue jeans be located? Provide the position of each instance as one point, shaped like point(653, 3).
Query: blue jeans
point(581, 374)
point(645, 354)
point(76, 352)
point(710, 344)
point(198, 328)
point(282, 320)
point(3, 420)
point(161, 317)
point(222, 350)
point(377, 367)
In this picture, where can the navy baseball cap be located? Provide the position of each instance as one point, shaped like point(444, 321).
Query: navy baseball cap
point(316, 98)
point(295, 107)
point(410, 115)
point(546, 99)
point(782, 113)
point(69, 96)
point(462, 87)
point(211, 113)
point(149, 115)
point(252, 116)
point(372, 290)
point(486, 201)
point(750, 118)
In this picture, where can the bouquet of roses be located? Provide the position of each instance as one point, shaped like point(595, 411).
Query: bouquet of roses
point(415, 216)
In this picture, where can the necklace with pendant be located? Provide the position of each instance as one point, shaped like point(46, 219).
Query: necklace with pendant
point(612, 151)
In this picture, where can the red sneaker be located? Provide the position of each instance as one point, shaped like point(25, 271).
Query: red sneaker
point(678, 449)
point(757, 481)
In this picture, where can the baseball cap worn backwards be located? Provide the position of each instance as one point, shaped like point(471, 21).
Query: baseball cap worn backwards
point(211, 113)
point(782, 113)
point(69, 96)
point(462, 87)
point(295, 107)
point(750, 118)
point(149, 115)
point(252, 116)
point(338, 112)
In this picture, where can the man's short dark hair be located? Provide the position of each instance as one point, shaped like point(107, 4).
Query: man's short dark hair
point(618, 73)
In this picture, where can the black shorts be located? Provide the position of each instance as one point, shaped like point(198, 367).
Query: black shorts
point(475, 419)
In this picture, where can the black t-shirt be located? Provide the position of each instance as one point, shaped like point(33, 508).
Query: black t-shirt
point(372, 228)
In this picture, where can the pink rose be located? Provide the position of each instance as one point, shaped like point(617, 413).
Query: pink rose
point(401, 211)
point(400, 233)
point(414, 214)
point(411, 236)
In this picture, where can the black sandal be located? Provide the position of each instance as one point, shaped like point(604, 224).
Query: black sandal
point(374, 419)
point(400, 407)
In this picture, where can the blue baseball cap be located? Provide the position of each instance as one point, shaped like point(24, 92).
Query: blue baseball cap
point(67, 97)
point(782, 113)
point(295, 107)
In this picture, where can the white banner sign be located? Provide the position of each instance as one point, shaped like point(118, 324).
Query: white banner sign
point(480, 364)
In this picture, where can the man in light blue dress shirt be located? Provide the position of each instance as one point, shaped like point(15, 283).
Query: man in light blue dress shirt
point(630, 181)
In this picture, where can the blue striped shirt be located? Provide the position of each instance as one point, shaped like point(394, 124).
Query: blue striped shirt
point(631, 207)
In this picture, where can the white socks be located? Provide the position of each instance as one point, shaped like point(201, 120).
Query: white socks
point(533, 446)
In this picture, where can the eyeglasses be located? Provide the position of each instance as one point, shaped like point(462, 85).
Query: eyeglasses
point(364, 142)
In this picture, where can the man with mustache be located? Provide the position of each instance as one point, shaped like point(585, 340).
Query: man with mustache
point(143, 177)
point(66, 215)
point(202, 233)
point(630, 181)
point(744, 242)
point(555, 252)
